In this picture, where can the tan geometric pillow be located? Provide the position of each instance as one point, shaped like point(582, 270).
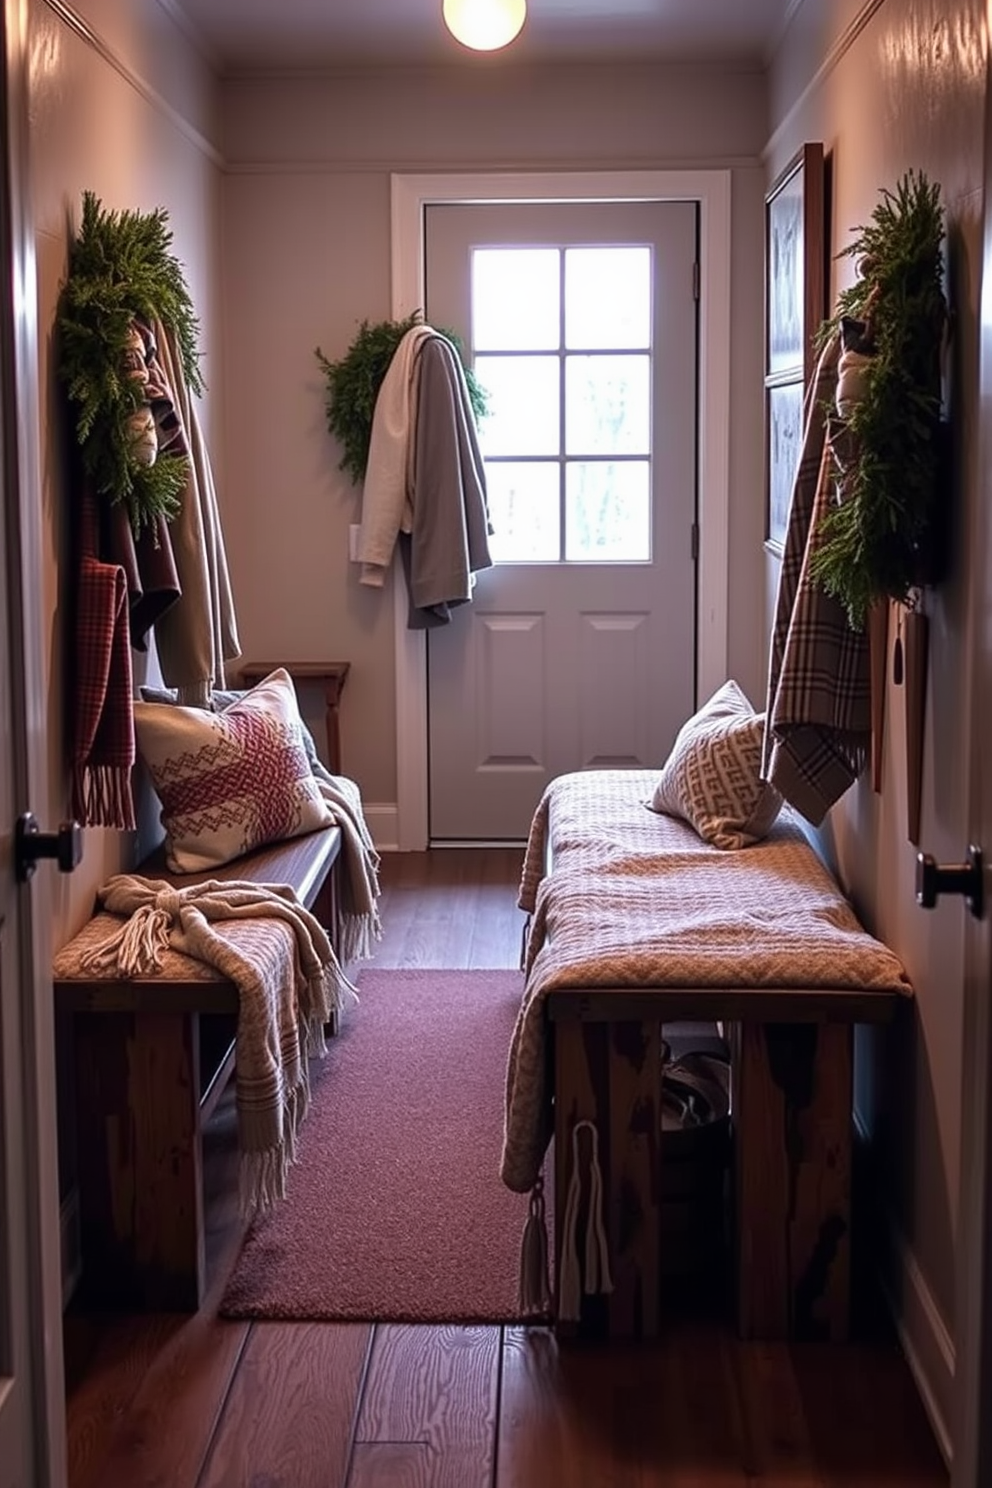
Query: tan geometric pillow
point(710, 779)
point(230, 781)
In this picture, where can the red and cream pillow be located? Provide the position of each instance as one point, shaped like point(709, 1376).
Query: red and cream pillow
point(711, 778)
point(230, 781)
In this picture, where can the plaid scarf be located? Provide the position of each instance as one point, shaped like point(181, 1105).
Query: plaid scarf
point(818, 713)
point(100, 713)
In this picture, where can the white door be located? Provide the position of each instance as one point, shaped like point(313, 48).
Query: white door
point(578, 648)
point(32, 1412)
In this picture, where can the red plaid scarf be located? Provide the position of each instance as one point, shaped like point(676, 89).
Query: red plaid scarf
point(101, 715)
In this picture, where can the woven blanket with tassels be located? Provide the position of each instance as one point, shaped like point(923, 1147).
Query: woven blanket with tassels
point(359, 925)
point(288, 979)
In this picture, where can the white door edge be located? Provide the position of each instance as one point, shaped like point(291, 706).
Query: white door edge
point(410, 194)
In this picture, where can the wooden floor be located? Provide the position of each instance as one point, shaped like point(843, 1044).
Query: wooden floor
point(197, 1402)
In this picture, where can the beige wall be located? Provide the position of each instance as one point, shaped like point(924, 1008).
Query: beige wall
point(122, 106)
point(306, 257)
point(888, 87)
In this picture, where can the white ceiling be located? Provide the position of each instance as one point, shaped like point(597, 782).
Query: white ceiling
point(265, 35)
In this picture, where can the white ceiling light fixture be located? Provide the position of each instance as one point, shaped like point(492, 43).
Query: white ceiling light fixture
point(484, 25)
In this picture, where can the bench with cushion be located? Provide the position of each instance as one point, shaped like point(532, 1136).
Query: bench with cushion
point(152, 1057)
point(638, 920)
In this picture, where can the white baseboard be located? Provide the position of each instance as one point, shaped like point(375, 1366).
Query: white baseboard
point(923, 1334)
point(72, 1262)
point(383, 822)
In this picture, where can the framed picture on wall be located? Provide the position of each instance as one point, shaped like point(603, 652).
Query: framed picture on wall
point(795, 304)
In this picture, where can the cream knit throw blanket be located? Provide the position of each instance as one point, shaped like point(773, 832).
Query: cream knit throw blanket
point(359, 926)
point(288, 979)
point(637, 899)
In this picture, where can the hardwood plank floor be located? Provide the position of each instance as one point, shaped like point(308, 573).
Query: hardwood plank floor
point(201, 1402)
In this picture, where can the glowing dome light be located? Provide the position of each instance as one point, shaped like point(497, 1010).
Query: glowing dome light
point(484, 25)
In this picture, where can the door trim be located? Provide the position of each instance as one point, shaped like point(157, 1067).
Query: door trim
point(22, 485)
point(410, 195)
point(971, 1429)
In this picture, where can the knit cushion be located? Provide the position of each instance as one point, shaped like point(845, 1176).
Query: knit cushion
point(711, 779)
point(221, 699)
point(230, 781)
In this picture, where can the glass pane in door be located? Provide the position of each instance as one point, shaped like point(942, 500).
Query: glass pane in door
point(608, 298)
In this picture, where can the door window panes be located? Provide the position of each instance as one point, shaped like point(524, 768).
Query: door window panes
point(607, 298)
point(515, 295)
point(523, 405)
point(607, 405)
point(525, 511)
point(607, 511)
point(561, 341)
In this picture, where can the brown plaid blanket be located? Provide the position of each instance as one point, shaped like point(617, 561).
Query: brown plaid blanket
point(818, 712)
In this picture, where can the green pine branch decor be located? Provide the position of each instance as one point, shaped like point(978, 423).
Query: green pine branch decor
point(353, 385)
point(120, 270)
point(876, 540)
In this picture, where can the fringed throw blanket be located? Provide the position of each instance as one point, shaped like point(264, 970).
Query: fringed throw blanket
point(98, 702)
point(359, 926)
point(637, 899)
point(281, 961)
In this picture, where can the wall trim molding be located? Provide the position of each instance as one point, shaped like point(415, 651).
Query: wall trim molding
point(923, 1335)
point(382, 821)
point(411, 194)
point(832, 59)
point(75, 22)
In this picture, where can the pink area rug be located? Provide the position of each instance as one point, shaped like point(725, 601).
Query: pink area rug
point(395, 1211)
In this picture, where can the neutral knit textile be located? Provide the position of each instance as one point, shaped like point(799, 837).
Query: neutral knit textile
point(711, 778)
point(230, 781)
point(198, 634)
point(359, 925)
point(639, 900)
point(289, 982)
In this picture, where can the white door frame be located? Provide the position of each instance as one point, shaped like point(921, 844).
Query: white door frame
point(410, 195)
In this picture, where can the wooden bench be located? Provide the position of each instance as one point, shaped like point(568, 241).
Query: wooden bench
point(152, 1059)
point(791, 1114)
point(624, 900)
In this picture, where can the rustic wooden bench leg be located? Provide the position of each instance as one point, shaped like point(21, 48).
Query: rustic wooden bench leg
point(327, 909)
point(140, 1156)
point(792, 1097)
point(610, 1074)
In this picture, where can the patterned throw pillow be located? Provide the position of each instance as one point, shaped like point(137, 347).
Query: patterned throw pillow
point(230, 781)
point(711, 780)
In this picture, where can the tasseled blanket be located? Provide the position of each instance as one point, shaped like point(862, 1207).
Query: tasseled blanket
point(359, 925)
point(288, 979)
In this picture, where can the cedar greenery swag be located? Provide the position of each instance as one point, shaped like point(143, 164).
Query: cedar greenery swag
point(878, 539)
point(121, 274)
point(353, 385)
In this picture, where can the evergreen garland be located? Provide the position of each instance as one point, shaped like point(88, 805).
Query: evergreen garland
point(353, 385)
point(120, 268)
point(875, 540)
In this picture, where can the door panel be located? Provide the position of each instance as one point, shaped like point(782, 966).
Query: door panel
point(565, 665)
point(32, 1418)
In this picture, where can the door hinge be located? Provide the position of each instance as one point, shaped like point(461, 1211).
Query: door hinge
point(695, 281)
point(694, 541)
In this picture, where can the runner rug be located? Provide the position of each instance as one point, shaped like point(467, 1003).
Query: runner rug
point(395, 1211)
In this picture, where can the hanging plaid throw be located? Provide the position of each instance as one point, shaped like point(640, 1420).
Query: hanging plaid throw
point(101, 715)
